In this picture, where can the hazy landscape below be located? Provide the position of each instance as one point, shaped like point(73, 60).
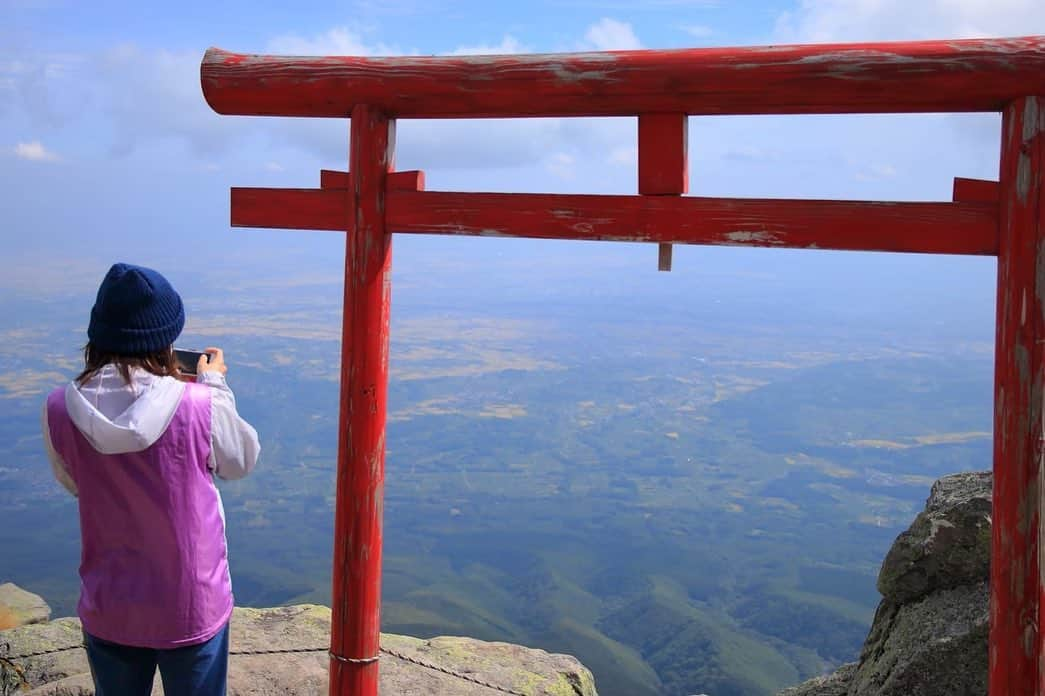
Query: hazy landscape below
point(687, 480)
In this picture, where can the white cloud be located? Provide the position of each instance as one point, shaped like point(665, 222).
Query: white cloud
point(611, 35)
point(34, 151)
point(562, 165)
point(877, 172)
point(482, 144)
point(884, 20)
point(698, 31)
point(916, 167)
point(46, 65)
point(339, 41)
point(150, 95)
point(274, 166)
point(133, 98)
point(624, 155)
point(26, 78)
point(509, 44)
point(746, 153)
point(975, 137)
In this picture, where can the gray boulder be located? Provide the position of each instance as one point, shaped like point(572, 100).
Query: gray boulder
point(935, 646)
point(948, 545)
point(929, 635)
point(834, 684)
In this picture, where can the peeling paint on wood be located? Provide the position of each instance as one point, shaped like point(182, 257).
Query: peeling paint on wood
point(931, 228)
point(742, 237)
point(1017, 583)
point(945, 228)
point(975, 190)
point(663, 164)
point(409, 180)
point(364, 381)
point(929, 76)
point(301, 209)
point(663, 154)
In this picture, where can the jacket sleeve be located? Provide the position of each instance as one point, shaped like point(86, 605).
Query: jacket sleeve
point(57, 463)
point(234, 443)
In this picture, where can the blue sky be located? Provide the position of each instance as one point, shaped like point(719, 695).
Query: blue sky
point(107, 147)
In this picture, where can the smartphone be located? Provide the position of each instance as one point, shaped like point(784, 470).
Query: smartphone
point(188, 359)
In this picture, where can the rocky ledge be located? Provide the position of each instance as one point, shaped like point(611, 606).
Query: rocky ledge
point(409, 666)
point(18, 607)
point(929, 636)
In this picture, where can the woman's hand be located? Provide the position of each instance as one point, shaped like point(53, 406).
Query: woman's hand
point(215, 364)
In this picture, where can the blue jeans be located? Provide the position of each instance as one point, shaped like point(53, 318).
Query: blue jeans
point(195, 670)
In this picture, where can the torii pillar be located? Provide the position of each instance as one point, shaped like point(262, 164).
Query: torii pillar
point(1017, 642)
point(355, 623)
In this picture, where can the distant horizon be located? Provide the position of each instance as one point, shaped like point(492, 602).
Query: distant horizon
point(729, 465)
point(112, 151)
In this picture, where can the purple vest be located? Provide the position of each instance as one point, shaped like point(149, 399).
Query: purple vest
point(154, 567)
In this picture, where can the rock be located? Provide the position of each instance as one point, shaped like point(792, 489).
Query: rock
point(929, 635)
point(835, 684)
point(528, 671)
point(936, 646)
point(510, 666)
point(18, 607)
point(47, 669)
point(947, 545)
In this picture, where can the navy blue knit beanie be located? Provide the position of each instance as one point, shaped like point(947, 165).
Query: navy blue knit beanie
point(136, 312)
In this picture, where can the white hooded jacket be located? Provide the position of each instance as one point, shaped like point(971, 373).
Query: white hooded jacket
point(118, 417)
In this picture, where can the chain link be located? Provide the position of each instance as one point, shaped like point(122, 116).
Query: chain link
point(285, 651)
point(458, 675)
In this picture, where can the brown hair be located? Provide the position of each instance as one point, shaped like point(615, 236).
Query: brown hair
point(161, 363)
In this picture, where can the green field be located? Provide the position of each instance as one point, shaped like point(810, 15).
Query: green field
point(688, 502)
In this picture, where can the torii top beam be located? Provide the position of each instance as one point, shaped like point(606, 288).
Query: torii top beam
point(902, 77)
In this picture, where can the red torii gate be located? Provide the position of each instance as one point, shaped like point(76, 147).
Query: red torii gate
point(662, 88)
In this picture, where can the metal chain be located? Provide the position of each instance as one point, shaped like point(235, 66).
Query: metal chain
point(437, 668)
point(387, 651)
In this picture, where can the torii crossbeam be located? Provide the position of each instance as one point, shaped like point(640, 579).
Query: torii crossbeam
point(662, 89)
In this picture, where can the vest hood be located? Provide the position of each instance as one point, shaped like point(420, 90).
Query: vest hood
point(117, 417)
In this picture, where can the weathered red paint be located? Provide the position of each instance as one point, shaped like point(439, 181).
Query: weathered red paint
point(663, 163)
point(1005, 219)
point(325, 208)
point(1017, 586)
point(927, 76)
point(975, 190)
point(663, 154)
point(355, 626)
point(410, 180)
point(928, 228)
point(939, 228)
point(300, 209)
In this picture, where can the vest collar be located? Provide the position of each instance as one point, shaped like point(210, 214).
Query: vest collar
point(118, 417)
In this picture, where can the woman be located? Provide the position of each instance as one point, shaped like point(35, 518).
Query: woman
point(139, 443)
